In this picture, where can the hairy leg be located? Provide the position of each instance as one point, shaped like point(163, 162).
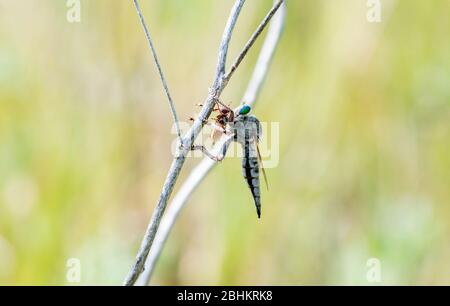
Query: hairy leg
point(222, 152)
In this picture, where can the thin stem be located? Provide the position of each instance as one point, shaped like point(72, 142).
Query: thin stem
point(158, 66)
point(223, 50)
point(206, 165)
point(188, 141)
point(253, 38)
point(265, 56)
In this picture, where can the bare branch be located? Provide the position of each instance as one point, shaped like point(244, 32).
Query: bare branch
point(158, 66)
point(253, 38)
point(265, 56)
point(205, 166)
point(187, 142)
point(226, 37)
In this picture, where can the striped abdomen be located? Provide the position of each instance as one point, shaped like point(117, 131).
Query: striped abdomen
point(250, 170)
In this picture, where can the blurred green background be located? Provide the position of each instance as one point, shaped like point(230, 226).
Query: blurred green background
point(364, 167)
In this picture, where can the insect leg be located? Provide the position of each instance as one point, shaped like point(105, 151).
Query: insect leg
point(205, 151)
point(218, 102)
point(222, 151)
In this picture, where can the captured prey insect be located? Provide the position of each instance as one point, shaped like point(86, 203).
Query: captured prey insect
point(245, 129)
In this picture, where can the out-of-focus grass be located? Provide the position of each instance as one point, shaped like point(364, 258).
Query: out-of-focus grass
point(364, 144)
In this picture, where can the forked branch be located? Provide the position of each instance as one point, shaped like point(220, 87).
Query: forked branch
point(199, 173)
point(220, 82)
point(252, 39)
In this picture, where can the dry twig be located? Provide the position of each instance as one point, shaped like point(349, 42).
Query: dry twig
point(206, 165)
point(220, 82)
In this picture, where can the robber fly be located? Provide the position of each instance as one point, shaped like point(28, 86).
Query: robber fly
point(245, 129)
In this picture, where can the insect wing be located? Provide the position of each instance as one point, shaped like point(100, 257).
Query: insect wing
point(262, 166)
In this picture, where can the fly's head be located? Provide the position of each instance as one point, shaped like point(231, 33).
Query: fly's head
point(243, 110)
point(245, 127)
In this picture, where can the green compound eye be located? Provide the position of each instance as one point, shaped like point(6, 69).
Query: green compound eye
point(245, 109)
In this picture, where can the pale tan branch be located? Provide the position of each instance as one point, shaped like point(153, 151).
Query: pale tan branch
point(199, 173)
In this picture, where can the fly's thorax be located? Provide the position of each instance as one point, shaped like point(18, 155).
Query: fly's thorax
point(247, 129)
